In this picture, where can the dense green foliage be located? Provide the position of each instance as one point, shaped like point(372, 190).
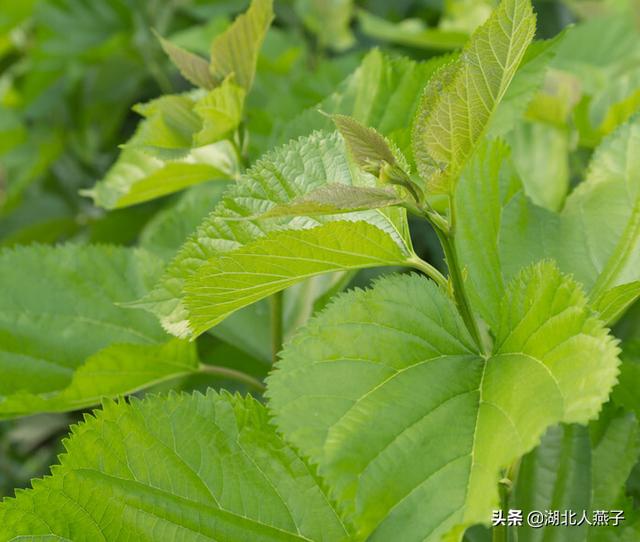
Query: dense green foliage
point(417, 264)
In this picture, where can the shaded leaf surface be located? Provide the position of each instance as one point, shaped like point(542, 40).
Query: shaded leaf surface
point(91, 347)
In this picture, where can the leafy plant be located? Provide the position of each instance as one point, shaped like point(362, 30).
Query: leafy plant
point(412, 408)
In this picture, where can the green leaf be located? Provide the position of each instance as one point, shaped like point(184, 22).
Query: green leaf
point(281, 259)
point(236, 50)
point(625, 394)
point(383, 93)
point(595, 237)
point(597, 234)
point(57, 334)
point(193, 68)
point(184, 467)
point(279, 178)
point(530, 76)
point(169, 126)
point(221, 111)
point(580, 469)
point(460, 99)
point(486, 185)
point(169, 228)
point(614, 302)
point(367, 147)
point(329, 21)
point(410, 33)
point(368, 391)
point(540, 153)
point(137, 176)
point(555, 476)
point(335, 199)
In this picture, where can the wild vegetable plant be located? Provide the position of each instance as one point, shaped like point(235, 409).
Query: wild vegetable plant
point(408, 410)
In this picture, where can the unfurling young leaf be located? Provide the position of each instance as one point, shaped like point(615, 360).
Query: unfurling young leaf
point(460, 99)
point(368, 147)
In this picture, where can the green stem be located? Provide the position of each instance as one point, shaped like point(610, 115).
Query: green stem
point(429, 270)
point(618, 260)
point(459, 292)
point(500, 533)
point(276, 324)
point(232, 374)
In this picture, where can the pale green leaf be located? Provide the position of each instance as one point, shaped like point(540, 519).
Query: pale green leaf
point(460, 99)
point(193, 68)
point(596, 236)
point(235, 51)
point(220, 110)
point(368, 390)
point(281, 177)
point(64, 341)
point(184, 467)
point(137, 176)
point(614, 302)
point(540, 153)
point(169, 126)
point(530, 76)
point(281, 259)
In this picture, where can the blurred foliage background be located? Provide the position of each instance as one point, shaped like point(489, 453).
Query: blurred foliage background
point(71, 70)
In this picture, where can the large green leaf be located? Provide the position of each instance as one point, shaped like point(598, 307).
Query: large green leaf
point(228, 237)
point(138, 176)
point(582, 470)
point(64, 343)
point(281, 259)
point(235, 51)
point(595, 236)
point(486, 185)
point(185, 467)
point(369, 390)
point(459, 101)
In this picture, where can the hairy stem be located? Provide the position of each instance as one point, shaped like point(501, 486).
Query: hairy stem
point(232, 374)
point(276, 324)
